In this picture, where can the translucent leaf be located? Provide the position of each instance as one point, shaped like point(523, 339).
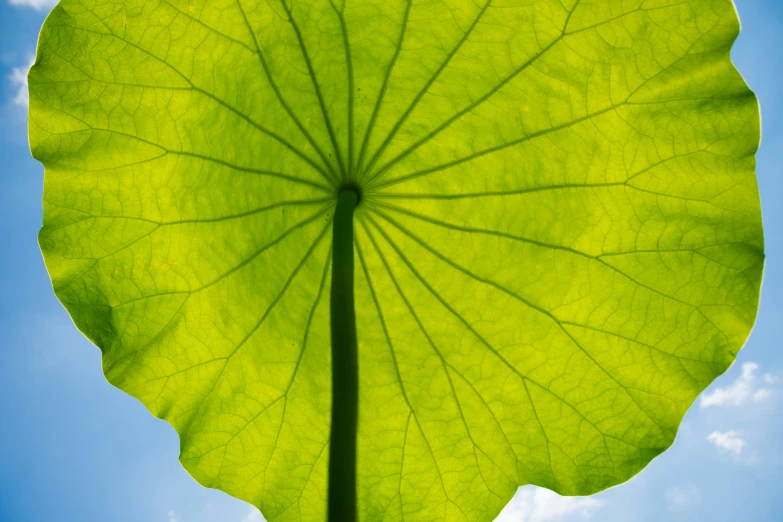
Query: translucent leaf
point(558, 244)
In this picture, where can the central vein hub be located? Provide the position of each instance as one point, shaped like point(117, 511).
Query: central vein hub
point(353, 187)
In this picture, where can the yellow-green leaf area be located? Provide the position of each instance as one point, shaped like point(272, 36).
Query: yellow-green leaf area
point(558, 243)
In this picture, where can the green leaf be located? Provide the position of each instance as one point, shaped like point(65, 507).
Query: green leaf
point(558, 244)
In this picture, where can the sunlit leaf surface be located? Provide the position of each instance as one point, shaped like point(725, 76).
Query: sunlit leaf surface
point(558, 243)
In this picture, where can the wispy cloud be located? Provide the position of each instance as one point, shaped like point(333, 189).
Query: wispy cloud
point(727, 442)
point(40, 5)
point(680, 498)
point(253, 516)
point(743, 389)
point(18, 79)
point(542, 505)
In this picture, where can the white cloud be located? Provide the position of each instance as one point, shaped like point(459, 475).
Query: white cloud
point(253, 516)
point(763, 393)
point(740, 391)
point(18, 79)
point(681, 498)
point(542, 505)
point(40, 5)
point(729, 441)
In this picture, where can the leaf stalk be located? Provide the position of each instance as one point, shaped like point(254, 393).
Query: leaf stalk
point(345, 366)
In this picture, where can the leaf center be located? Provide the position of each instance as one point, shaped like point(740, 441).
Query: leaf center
point(354, 187)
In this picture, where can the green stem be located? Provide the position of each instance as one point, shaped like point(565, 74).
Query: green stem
point(345, 367)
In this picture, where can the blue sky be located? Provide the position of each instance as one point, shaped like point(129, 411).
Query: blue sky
point(73, 448)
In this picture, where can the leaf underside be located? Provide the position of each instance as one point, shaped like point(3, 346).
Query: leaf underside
point(558, 245)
